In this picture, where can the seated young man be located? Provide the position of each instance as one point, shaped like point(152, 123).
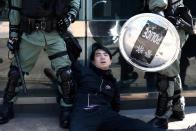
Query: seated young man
point(97, 99)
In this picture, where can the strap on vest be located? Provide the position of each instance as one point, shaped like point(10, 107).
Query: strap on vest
point(13, 7)
point(59, 54)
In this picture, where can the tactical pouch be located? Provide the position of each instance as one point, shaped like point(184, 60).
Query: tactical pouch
point(30, 25)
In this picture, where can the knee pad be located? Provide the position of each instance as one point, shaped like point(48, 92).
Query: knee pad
point(14, 73)
point(64, 75)
point(66, 86)
point(13, 82)
point(13, 79)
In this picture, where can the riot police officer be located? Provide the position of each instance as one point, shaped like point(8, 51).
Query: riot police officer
point(168, 80)
point(36, 25)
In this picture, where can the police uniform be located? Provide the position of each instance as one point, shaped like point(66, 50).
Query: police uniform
point(38, 24)
point(168, 80)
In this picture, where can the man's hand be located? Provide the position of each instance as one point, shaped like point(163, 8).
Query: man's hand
point(64, 22)
point(13, 44)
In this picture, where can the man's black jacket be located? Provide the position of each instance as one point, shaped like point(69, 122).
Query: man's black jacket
point(95, 88)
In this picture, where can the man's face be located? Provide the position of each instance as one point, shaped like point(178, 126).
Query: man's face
point(102, 60)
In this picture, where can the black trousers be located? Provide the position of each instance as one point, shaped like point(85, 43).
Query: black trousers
point(104, 119)
point(122, 123)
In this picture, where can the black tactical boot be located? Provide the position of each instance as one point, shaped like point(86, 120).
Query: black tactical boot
point(164, 102)
point(64, 117)
point(162, 108)
point(6, 110)
point(159, 123)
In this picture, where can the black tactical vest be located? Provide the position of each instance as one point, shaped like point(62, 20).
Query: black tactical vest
point(44, 8)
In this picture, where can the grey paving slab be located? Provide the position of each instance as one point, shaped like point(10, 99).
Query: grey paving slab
point(148, 114)
point(32, 122)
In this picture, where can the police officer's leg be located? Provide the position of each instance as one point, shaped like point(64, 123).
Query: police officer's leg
point(61, 64)
point(66, 94)
point(178, 106)
point(178, 99)
point(165, 86)
point(166, 94)
point(28, 55)
point(6, 111)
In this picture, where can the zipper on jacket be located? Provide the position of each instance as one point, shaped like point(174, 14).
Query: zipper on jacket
point(100, 89)
point(88, 100)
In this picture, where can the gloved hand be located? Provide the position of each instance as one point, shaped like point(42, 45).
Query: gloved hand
point(13, 44)
point(179, 23)
point(64, 22)
point(173, 20)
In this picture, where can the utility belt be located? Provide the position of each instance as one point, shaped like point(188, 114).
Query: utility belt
point(30, 25)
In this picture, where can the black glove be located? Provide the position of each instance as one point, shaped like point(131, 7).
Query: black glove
point(173, 20)
point(73, 47)
point(179, 23)
point(13, 44)
point(64, 22)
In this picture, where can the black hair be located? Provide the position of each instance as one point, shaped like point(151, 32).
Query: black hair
point(97, 46)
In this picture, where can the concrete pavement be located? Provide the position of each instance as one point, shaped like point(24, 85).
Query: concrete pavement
point(148, 114)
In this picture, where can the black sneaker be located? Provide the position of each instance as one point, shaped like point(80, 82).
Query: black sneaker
point(159, 123)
